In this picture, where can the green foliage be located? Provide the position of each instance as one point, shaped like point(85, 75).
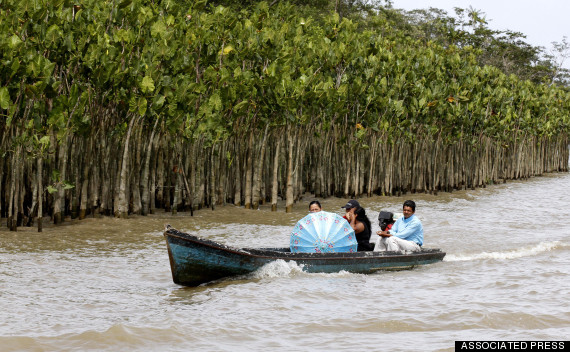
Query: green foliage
point(58, 183)
point(212, 71)
point(5, 101)
point(506, 50)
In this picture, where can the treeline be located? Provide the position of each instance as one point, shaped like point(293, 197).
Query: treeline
point(123, 107)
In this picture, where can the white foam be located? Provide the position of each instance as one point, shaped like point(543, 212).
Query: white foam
point(281, 268)
point(278, 268)
point(515, 253)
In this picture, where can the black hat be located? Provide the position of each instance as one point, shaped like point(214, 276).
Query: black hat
point(351, 204)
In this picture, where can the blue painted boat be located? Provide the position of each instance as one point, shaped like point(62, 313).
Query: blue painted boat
point(195, 260)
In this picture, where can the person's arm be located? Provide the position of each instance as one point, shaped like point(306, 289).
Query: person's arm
point(388, 232)
point(357, 227)
point(409, 232)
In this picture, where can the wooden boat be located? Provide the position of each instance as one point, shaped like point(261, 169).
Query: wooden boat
point(195, 260)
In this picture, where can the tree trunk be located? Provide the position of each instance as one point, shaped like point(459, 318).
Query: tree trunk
point(193, 164)
point(371, 175)
point(213, 177)
point(107, 177)
point(220, 175)
point(248, 172)
point(12, 203)
point(75, 166)
point(289, 193)
point(85, 184)
point(96, 186)
point(123, 205)
point(274, 187)
point(237, 168)
point(168, 179)
point(356, 181)
point(348, 166)
point(59, 195)
point(298, 188)
point(19, 197)
point(201, 162)
point(40, 194)
point(32, 209)
point(160, 179)
point(136, 174)
point(258, 171)
point(176, 198)
point(189, 190)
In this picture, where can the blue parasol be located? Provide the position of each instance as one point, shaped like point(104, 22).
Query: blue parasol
point(323, 232)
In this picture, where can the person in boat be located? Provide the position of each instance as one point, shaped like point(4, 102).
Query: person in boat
point(315, 206)
point(386, 220)
point(407, 234)
point(356, 217)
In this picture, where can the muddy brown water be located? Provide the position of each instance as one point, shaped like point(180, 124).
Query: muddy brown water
point(105, 284)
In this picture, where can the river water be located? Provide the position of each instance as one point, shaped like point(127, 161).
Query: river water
point(105, 284)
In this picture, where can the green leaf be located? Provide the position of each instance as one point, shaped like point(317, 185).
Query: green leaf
point(51, 189)
point(215, 102)
point(53, 33)
point(15, 67)
point(147, 84)
point(158, 29)
point(228, 49)
point(5, 101)
point(44, 140)
point(170, 20)
point(15, 41)
point(200, 5)
point(159, 101)
point(125, 3)
point(239, 106)
point(142, 104)
point(55, 174)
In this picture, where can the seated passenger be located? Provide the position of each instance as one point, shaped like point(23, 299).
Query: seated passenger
point(315, 206)
point(356, 217)
point(407, 233)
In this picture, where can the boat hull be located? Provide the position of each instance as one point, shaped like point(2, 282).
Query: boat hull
point(195, 261)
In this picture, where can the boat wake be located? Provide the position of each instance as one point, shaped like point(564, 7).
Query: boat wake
point(281, 268)
point(278, 268)
point(512, 254)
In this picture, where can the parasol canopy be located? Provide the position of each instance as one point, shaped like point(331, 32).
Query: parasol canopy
point(323, 232)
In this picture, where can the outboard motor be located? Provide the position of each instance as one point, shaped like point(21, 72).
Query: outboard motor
point(385, 218)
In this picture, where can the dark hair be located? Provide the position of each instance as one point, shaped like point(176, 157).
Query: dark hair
point(411, 204)
point(315, 202)
point(361, 216)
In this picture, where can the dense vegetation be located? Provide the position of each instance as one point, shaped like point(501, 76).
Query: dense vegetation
point(125, 106)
